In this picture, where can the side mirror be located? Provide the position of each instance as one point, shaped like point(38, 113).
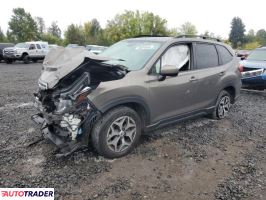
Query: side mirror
point(169, 70)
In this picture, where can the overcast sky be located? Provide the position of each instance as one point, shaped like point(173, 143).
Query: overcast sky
point(212, 15)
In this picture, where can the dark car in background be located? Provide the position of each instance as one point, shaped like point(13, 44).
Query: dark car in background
point(2, 46)
point(242, 54)
point(254, 70)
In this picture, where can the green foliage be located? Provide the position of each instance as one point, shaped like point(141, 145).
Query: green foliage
point(251, 45)
point(261, 36)
point(237, 34)
point(40, 24)
point(2, 36)
point(51, 39)
point(187, 29)
point(74, 35)
point(130, 24)
point(22, 26)
point(54, 30)
point(92, 32)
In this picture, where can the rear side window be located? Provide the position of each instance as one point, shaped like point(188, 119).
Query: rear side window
point(38, 46)
point(225, 55)
point(206, 56)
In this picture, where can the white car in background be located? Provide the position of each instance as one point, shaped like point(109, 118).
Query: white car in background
point(96, 49)
point(27, 51)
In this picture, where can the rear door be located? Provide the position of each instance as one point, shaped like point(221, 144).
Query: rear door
point(39, 50)
point(208, 74)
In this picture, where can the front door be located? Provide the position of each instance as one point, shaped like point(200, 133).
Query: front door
point(32, 51)
point(173, 96)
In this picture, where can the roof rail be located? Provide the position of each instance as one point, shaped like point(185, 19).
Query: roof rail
point(150, 36)
point(198, 36)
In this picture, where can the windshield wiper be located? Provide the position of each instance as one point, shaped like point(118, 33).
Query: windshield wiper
point(119, 59)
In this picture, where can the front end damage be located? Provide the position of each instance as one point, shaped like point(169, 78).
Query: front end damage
point(66, 114)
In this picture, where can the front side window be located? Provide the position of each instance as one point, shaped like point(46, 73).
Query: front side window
point(178, 56)
point(225, 55)
point(32, 46)
point(206, 56)
point(133, 54)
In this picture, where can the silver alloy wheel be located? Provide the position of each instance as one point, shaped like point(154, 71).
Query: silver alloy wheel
point(224, 106)
point(121, 133)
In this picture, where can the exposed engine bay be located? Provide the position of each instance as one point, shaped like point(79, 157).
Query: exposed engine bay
point(66, 113)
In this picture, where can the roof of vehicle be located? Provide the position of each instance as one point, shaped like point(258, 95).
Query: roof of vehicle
point(262, 48)
point(37, 42)
point(179, 38)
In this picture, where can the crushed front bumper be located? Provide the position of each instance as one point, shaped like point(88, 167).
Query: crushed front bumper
point(66, 146)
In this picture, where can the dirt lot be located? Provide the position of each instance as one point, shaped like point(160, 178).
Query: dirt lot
point(198, 159)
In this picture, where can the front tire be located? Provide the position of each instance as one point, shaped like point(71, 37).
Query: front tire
point(222, 106)
point(117, 132)
point(26, 59)
point(8, 61)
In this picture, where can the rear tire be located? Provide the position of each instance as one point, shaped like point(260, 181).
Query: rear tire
point(26, 59)
point(117, 132)
point(222, 106)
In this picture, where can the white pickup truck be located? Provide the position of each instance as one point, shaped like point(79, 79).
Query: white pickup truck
point(28, 51)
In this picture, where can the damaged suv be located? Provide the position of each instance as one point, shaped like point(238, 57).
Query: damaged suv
point(136, 85)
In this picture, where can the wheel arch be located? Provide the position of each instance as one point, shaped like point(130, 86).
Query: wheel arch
point(24, 54)
point(232, 91)
point(135, 103)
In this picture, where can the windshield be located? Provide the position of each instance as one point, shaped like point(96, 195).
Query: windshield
point(132, 54)
point(259, 55)
point(21, 45)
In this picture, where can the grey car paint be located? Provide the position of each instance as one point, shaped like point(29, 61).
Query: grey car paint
point(174, 96)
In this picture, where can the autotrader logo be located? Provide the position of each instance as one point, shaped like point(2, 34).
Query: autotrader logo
point(27, 193)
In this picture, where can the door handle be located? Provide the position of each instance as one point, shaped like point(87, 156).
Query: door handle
point(221, 73)
point(193, 78)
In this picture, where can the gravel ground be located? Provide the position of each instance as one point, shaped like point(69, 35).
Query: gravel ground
point(197, 159)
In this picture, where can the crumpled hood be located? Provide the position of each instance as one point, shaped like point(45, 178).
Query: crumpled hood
point(61, 61)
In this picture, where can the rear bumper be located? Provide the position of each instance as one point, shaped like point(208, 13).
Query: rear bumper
point(257, 81)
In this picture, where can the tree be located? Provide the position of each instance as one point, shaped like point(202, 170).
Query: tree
point(2, 36)
point(74, 35)
point(237, 34)
point(187, 29)
point(130, 24)
point(54, 30)
point(261, 36)
point(250, 36)
point(40, 24)
point(22, 26)
point(92, 32)
point(51, 39)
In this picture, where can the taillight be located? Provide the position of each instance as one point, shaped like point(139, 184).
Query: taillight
point(240, 68)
